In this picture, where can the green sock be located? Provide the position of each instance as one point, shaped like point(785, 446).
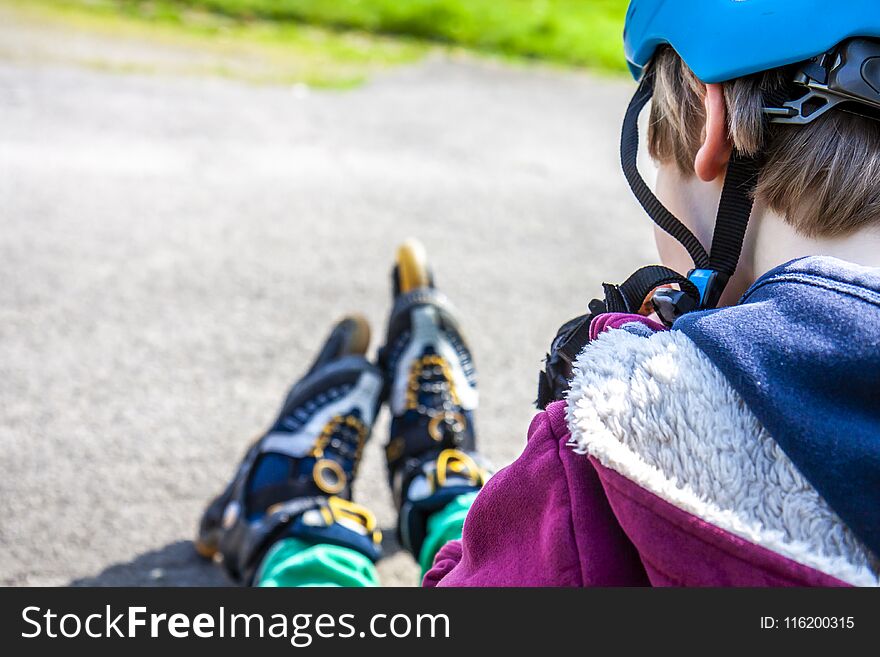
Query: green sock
point(292, 562)
point(444, 526)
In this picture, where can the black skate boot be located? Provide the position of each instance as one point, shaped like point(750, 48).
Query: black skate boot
point(431, 391)
point(296, 480)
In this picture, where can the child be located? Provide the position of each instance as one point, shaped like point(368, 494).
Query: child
point(739, 448)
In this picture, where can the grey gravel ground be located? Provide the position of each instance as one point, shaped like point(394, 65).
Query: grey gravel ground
point(172, 252)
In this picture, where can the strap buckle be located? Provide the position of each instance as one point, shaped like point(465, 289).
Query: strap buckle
point(710, 284)
point(847, 76)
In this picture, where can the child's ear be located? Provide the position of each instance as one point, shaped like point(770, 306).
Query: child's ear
point(714, 154)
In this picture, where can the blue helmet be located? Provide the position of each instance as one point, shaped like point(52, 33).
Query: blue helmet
point(724, 39)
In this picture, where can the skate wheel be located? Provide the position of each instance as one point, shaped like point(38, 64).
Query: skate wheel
point(204, 550)
point(357, 335)
point(351, 336)
point(412, 267)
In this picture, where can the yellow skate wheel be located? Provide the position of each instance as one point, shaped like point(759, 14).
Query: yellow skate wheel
point(204, 550)
point(412, 266)
point(357, 339)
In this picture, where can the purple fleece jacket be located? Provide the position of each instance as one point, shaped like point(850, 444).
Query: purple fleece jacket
point(557, 518)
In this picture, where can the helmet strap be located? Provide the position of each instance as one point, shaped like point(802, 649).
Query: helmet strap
point(711, 270)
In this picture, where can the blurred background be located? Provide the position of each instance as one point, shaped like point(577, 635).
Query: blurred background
point(192, 191)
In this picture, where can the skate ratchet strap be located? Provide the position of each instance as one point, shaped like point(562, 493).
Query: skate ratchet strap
point(315, 519)
point(455, 464)
point(451, 468)
point(430, 486)
point(331, 520)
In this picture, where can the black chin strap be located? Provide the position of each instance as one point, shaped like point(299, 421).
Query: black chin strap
point(629, 153)
point(711, 270)
point(703, 285)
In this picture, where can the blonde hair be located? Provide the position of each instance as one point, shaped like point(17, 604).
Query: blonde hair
point(824, 178)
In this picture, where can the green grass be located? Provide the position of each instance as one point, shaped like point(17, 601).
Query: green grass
point(197, 42)
point(583, 33)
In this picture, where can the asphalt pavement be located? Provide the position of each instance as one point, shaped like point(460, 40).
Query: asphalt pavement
point(173, 251)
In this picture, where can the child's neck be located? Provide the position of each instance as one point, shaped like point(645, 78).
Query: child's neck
point(776, 243)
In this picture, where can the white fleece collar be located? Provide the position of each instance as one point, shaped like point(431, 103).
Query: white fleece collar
point(658, 412)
